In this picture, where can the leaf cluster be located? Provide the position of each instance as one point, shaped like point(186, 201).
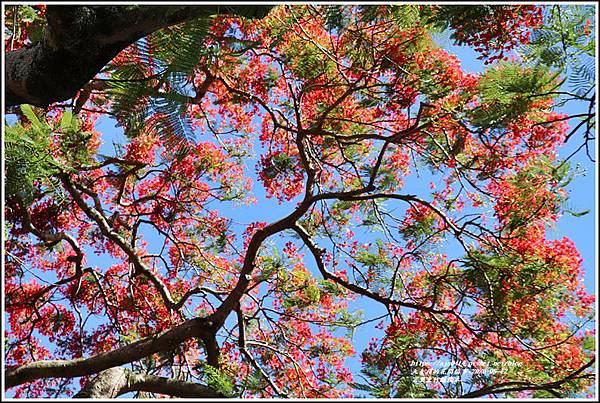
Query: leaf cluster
point(157, 100)
point(29, 166)
point(508, 91)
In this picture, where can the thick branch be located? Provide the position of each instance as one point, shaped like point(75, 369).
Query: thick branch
point(118, 380)
point(107, 384)
point(256, 241)
point(80, 40)
point(164, 341)
point(516, 386)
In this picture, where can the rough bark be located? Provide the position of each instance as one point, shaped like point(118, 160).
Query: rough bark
point(80, 40)
point(107, 384)
point(165, 341)
point(117, 381)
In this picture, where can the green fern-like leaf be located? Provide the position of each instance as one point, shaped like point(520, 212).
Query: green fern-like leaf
point(507, 92)
point(28, 164)
point(158, 102)
point(583, 77)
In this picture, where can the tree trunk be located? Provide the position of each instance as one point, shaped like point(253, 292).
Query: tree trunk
point(116, 381)
point(107, 384)
point(80, 40)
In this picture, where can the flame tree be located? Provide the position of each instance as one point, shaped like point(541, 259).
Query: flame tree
point(125, 266)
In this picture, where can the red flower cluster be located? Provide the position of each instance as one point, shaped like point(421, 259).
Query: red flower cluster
point(497, 32)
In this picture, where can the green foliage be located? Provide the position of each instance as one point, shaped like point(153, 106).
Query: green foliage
point(175, 54)
point(350, 320)
point(312, 293)
point(370, 259)
point(331, 288)
point(29, 166)
point(566, 43)
point(218, 380)
point(406, 16)
point(508, 91)
point(280, 164)
point(440, 18)
point(485, 271)
point(589, 343)
point(405, 386)
point(302, 292)
point(562, 42)
point(270, 265)
point(548, 178)
point(578, 213)
point(488, 270)
point(18, 18)
point(335, 17)
point(254, 381)
point(73, 143)
point(419, 229)
point(376, 260)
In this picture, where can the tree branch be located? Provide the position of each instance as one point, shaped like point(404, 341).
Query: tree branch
point(80, 40)
point(318, 252)
point(164, 341)
point(506, 387)
point(117, 381)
